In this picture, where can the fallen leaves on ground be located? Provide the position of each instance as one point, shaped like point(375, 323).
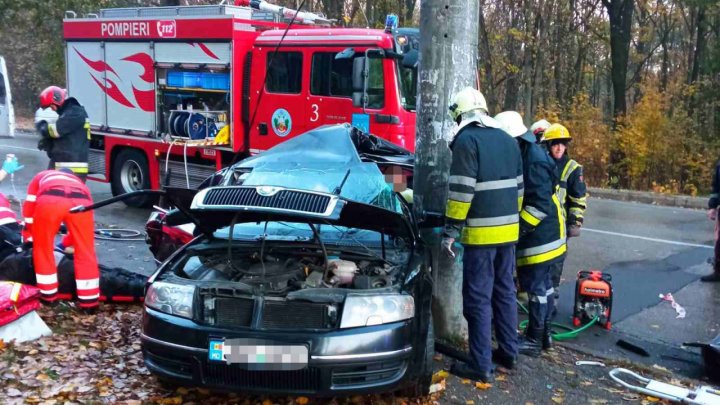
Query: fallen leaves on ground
point(98, 359)
point(483, 386)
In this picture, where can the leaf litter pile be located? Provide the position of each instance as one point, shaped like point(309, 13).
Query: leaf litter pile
point(97, 359)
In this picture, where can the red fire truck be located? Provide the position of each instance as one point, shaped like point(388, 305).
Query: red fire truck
point(188, 90)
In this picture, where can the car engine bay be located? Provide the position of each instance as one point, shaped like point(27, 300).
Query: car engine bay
point(282, 270)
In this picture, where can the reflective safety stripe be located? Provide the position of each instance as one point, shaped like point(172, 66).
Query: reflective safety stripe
point(570, 167)
point(527, 217)
point(494, 221)
point(561, 216)
point(520, 201)
point(76, 167)
point(58, 176)
point(52, 130)
point(5, 209)
point(535, 212)
point(87, 284)
point(31, 197)
point(15, 293)
point(50, 291)
point(46, 278)
point(495, 184)
point(87, 127)
point(462, 197)
point(490, 235)
point(5, 221)
point(541, 249)
point(550, 292)
point(89, 297)
point(28, 220)
point(537, 298)
point(463, 180)
point(457, 210)
point(579, 201)
point(525, 260)
point(520, 179)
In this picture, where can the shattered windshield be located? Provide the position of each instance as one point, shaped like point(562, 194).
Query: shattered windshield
point(323, 160)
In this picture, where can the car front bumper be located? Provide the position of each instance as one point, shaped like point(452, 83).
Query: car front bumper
point(341, 362)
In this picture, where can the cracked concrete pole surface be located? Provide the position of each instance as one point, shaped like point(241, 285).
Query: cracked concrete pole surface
point(448, 63)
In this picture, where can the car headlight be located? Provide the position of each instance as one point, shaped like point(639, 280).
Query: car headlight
point(377, 309)
point(173, 299)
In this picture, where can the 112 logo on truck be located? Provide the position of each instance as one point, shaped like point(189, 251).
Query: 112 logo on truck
point(166, 29)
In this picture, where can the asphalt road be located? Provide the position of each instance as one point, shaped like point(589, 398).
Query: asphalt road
point(649, 250)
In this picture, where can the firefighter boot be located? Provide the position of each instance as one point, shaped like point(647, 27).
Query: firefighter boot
point(712, 278)
point(530, 343)
point(547, 336)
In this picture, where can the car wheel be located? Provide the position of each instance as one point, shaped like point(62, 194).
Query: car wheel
point(130, 172)
point(421, 386)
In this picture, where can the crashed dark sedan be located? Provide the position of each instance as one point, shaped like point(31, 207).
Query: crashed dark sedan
point(306, 275)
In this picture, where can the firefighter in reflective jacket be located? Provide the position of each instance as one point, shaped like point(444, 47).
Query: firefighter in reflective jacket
point(50, 196)
point(542, 233)
point(482, 211)
point(69, 136)
point(572, 192)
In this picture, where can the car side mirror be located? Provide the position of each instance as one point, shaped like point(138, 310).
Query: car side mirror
point(359, 81)
point(410, 60)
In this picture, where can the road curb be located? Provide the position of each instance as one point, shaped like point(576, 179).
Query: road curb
point(647, 197)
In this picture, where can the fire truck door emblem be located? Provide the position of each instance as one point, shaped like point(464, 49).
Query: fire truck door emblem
point(281, 122)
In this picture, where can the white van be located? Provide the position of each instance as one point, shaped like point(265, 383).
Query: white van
point(7, 115)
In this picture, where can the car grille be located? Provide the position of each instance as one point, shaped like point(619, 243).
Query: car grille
point(283, 199)
point(375, 373)
point(233, 376)
point(291, 315)
point(234, 311)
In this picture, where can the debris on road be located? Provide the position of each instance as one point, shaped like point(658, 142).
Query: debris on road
point(680, 310)
point(589, 363)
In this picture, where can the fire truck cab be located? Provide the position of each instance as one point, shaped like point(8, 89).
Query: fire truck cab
point(176, 93)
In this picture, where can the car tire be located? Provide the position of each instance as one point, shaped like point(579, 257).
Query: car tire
point(130, 172)
point(421, 386)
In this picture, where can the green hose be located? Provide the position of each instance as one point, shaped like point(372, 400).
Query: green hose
point(570, 334)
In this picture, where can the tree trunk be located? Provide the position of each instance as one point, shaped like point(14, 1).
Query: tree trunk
point(512, 84)
point(620, 13)
point(487, 84)
point(448, 49)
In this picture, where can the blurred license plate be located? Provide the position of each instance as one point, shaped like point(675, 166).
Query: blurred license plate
point(258, 355)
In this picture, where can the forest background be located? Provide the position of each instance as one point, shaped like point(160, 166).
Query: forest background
point(635, 81)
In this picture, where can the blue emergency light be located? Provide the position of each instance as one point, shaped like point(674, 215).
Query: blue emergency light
point(391, 22)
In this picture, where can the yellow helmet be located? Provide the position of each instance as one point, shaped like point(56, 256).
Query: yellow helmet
point(556, 132)
point(467, 99)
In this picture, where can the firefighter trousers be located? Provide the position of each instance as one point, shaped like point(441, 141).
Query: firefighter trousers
point(536, 281)
point(50, 211)
point(489, 299)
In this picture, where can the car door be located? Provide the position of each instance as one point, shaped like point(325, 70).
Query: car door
point(7, 116)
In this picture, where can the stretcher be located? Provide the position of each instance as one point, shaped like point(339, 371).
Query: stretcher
point(703, 395)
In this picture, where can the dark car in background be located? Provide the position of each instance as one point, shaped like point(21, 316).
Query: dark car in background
point(305, 275)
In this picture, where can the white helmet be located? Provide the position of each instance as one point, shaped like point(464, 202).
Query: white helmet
point(512, 123)
point(539, 126)
point(466, 100)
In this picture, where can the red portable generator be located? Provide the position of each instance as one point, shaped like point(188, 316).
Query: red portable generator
point(593, 298)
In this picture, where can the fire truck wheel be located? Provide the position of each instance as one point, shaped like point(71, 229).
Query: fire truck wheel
point(130, 172)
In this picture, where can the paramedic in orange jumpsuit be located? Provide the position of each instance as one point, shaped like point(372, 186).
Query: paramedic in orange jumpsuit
point(51, 195)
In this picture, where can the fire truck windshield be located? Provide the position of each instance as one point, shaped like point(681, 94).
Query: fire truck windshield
point(408, 87)
point(407, 41)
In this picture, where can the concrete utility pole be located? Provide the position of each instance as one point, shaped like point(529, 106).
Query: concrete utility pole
point(448, 63)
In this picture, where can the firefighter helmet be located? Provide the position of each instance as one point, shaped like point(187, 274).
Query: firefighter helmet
point(512, 123)
point(52, 95)
point(556, 132)
point(466, 100)
point(539, 126)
